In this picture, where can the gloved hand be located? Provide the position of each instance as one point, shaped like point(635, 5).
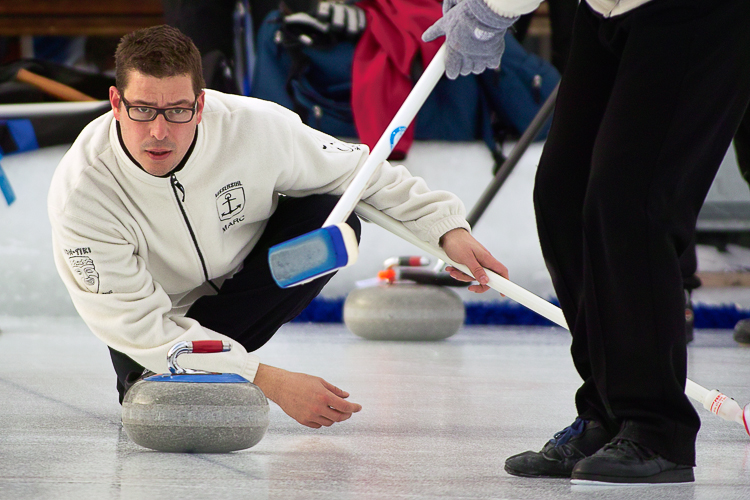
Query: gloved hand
point(326, 22)
point(342, 17)
point(474, 36)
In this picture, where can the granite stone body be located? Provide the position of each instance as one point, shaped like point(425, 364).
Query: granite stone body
point(402, 311)
point(195, 417)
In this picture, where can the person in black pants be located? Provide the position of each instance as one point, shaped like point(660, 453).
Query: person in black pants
point(689, 261)
point(651, 96)
point(647, 107)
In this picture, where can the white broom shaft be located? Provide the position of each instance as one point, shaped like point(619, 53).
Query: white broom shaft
point(389, 139)
point(695, 391)
point(497, 282)
point(715, 402)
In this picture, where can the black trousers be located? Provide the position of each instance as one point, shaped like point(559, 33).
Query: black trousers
point(250, 307)
point(742, 146)
point(647, 108)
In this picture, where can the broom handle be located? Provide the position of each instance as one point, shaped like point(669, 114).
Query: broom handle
point(51, 87)
point(389, 139)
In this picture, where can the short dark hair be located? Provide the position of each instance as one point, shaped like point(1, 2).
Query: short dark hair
point(160, 51)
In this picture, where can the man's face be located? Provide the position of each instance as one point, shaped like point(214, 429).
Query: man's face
point(157, 145)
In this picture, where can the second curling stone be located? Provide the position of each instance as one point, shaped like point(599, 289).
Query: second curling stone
point(194, 411)
point(404, 311)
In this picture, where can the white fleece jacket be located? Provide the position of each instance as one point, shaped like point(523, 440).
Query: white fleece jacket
point(607, 8)
point(135, 251)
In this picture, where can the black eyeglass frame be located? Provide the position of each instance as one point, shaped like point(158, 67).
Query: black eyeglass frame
point(159, 111)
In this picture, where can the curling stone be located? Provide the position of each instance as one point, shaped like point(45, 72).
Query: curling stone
point(194, 411)
point(404, 311)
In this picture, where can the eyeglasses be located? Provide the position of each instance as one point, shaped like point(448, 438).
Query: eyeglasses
point(139, 113)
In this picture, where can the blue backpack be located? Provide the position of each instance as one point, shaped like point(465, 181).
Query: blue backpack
point(315, 81)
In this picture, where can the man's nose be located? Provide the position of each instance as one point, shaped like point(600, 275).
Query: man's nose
point(159, 128)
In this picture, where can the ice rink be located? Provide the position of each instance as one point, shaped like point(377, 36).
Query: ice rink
point(438, 420)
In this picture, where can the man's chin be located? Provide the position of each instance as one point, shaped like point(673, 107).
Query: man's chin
point(158, 166)
point(157, 169)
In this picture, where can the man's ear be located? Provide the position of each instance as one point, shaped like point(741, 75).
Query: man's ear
point(199, 110)
point(114, 101)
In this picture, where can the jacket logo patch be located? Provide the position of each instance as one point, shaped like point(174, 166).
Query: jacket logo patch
point(230, 200)
point(84, 269)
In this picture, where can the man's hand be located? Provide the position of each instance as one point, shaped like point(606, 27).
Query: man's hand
point(474, 36)
point(462, 248)
point(309, 400)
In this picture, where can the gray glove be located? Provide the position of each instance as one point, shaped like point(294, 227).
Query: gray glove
point(474, 36)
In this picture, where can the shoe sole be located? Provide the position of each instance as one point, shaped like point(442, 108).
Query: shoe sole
point(513, 472)
point(674, 476)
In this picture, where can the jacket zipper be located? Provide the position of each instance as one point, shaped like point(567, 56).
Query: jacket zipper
point(176, 186)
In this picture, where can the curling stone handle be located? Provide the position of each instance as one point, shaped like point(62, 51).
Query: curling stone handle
point(193, 347)
point(406, 261)
point(208, 346)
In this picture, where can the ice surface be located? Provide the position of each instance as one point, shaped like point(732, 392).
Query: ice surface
point(438, 421)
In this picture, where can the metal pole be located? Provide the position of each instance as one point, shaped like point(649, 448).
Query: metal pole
point(508, 165)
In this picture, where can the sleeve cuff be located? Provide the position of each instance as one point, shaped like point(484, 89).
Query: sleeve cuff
point(500, 7)
point(445, 225)
point(251, 367)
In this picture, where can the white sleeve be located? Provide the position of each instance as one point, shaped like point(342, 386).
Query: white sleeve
point(513, 8)
point(121, 303)
point(323, 164)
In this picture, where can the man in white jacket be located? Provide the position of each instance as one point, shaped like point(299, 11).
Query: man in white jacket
point(163, 211)
point(652, 94)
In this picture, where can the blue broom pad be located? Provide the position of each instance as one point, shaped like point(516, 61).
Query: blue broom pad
point(308, 256)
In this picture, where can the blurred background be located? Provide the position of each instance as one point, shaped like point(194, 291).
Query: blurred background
point(57, 63)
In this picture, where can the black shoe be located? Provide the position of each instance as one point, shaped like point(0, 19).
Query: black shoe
point(742, 331)
point(624, 461)
point(561, 453)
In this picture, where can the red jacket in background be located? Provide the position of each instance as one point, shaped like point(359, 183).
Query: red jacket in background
point(381, 71)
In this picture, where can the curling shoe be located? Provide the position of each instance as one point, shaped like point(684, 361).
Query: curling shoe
point(561, 453)
point(626, 462)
